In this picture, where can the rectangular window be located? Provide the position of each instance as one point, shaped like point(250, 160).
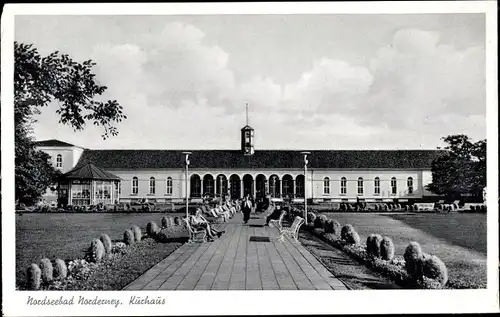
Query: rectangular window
point(80, 194)
point(102, 192)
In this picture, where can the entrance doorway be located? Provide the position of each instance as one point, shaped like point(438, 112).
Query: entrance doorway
point(260, 188)
point(235, 186)
point(248, 185)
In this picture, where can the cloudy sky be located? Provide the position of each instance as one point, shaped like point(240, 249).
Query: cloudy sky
point(312, 81)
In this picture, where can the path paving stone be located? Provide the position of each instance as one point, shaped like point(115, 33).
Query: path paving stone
point(233, 262)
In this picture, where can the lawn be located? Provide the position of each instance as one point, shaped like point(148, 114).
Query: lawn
point(458, 239)
point(67, 236)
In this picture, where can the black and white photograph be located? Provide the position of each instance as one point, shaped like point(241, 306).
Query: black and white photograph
point(147, 151)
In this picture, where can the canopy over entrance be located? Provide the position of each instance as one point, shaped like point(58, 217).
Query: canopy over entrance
point(89, 171)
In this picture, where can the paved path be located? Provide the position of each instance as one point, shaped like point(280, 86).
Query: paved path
point(235, 263)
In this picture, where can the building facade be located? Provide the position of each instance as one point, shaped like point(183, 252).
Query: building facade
point(331, 175)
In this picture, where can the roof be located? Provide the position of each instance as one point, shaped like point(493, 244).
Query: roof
point(52, 142)
point(247, 127)
point(348, 159)
point(89, 171)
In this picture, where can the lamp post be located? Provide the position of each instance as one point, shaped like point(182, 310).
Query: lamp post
point(305, 177)
point(186, 185)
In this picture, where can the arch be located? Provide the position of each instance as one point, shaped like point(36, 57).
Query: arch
point(235, 186)
point(135, 185)
point(59, 160)
point(221, 185)
point(195, 188)
point(409, 184)
point(260, 186)
point(299, 186)
point(361, 188)
point(248, 183)
point(394, 186)
point(208, 185)
point(288, 186)
point(169, 186)
point(343, 186)
point(152, 185)
point(376, 184)
point(274, 186)
point(326, 185)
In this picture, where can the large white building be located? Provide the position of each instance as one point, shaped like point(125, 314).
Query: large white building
point(159, 175)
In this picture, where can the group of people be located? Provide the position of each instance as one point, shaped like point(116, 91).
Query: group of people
point(198, 222)
point(247, 209)
point(227, 209)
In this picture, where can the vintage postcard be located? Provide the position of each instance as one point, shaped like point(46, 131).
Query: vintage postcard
point(249, 158)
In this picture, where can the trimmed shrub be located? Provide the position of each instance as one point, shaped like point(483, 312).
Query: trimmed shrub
point(375, 247)
point(413, 256)
point(152, 228)
point(311, 216)
point(323, 219)
point(170, 234)
point(96, 251)
point(336, 227)
point(128, 237)
point(47, 270)
point(387, 249)
point(344, 231)
point(166, 222)
point(34, 276)
point(177, 221)
point(434, 268)
point(328, 226)
point(137, 233)
point(369, 244)
point(106, 242)
point(352, 237)
point(427, 283)
point(60, 269)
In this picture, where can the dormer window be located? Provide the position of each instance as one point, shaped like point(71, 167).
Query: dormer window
point(59, 161)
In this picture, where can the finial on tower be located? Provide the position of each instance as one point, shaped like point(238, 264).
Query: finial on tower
point(246, 106)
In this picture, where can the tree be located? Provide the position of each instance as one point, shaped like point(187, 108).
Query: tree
point(39, 81)
point(462, 170)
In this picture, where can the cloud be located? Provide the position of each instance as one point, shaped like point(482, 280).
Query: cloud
point(179, 92)
point(415, 78)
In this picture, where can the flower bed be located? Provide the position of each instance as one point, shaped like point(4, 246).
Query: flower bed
point(106, 265)
point(378, 255)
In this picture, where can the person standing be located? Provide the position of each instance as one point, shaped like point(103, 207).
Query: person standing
point(247, 208)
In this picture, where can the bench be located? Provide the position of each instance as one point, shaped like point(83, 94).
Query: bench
point(194, 234)
point(278, 223)
point(293, 230)
point(214, 217)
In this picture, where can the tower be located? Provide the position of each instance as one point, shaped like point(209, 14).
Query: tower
point(247, 137)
